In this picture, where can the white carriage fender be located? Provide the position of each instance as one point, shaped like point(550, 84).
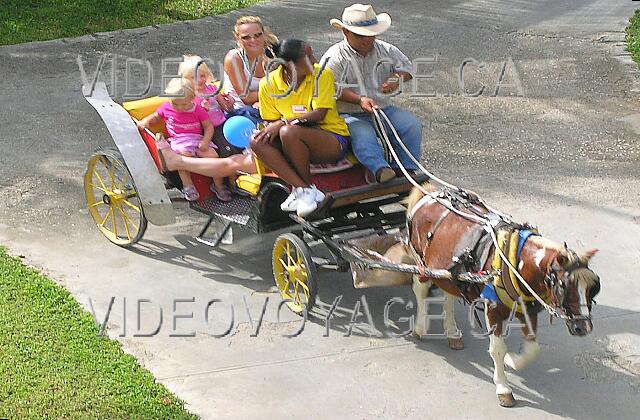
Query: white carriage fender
point(156, 205)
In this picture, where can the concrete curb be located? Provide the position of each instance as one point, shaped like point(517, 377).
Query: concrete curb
point(618, 45)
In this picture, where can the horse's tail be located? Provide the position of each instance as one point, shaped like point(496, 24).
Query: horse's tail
point(416, 194)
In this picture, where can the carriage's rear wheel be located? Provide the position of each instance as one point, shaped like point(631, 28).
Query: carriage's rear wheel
point(112, 198)
point(294, 272)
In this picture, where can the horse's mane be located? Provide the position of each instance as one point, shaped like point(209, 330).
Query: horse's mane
point(580, 275)
point(584, 276)
point(543, 242)
point(416, 194)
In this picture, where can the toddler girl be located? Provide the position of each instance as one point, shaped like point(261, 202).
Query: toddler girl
point(214, 102)
point(188, 127)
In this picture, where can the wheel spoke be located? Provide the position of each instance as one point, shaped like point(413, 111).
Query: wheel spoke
point(106, 217)
point(98, 188)
point(288, 251)
point(128, 219)
point(300, 261)
point(124, 180)
point(114, 222)
point(124, 222)
point(296, 296)
point(305, 288)
point(98, 203)
point(95, 172)
point(130, 204)
point(110, 167)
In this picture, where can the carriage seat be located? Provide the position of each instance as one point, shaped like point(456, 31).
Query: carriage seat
point(141, 108)
point(347, 162)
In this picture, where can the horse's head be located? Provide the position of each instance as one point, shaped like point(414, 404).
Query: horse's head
point(573, 287)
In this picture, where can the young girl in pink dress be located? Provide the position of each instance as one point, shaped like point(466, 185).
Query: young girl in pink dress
point(208, 96)
point(188, 127)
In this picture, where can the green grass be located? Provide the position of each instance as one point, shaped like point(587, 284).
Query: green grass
point(633, 36)
point(54, 365)
point(39, 20)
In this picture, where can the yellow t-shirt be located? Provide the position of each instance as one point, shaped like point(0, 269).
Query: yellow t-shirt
point(299, 102)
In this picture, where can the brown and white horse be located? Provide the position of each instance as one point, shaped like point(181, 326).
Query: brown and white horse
point(559, 277)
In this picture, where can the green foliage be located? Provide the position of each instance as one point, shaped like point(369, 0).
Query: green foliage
point(633, 36)
point(53, 364)
point(39, 20)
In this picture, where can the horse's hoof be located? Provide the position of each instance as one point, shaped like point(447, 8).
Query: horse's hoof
point(506, 400)
point(456, 343)
point(416, 335)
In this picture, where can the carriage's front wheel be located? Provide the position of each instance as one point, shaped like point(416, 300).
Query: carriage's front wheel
point(294, 272)
point(112, 198)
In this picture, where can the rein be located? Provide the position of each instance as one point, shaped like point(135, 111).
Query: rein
point(465, 195)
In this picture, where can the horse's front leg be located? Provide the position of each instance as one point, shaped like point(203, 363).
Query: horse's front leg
point(498, 350)
point(421, 290)
point(454, 335)
point(530, 347)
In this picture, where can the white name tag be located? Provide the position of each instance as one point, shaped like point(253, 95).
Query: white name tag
point(299, 109)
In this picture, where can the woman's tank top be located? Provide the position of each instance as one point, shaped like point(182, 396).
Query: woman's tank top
point(253, 85)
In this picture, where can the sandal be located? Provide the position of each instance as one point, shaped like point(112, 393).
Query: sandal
point(222, 193)
point(190, 193)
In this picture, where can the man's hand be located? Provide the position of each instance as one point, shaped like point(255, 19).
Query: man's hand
point(368, 104)
point(391, 85)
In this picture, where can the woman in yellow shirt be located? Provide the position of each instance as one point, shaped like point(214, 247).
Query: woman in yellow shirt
point(297, 99)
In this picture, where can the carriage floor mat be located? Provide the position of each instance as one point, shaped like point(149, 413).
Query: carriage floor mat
point(238, 210)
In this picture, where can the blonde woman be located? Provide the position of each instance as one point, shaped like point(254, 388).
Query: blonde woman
point(245, 66)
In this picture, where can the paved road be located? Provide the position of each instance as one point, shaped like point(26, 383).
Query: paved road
point(564, 155)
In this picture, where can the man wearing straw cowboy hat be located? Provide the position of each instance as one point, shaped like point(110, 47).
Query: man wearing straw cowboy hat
point(371, 69)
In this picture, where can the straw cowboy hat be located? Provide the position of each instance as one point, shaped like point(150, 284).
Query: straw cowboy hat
point(361, 19)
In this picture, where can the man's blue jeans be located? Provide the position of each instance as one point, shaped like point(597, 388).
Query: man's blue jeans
point(366, 147)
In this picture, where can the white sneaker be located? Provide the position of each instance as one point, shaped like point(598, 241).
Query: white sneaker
point(319, 194)
point(291, 203)
point(308, 200)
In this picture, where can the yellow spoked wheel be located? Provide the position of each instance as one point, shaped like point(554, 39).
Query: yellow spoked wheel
point(112, 198)
point(294, 272)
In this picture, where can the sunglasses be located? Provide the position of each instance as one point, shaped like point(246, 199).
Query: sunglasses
point(254, 36)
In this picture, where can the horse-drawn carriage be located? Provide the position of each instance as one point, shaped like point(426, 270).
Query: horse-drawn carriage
point(126, 189)
point(453, 239)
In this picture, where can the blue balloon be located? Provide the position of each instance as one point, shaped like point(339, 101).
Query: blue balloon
point(238, 130)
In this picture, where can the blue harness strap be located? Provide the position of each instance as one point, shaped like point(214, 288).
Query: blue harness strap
point(488, 292)
point(524, 234)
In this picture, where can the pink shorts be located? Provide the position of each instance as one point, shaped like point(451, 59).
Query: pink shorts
point(187, 143)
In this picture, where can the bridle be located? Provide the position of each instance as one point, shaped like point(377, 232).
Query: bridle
point(556, 281)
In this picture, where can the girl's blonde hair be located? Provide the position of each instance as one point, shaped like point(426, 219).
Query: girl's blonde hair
point(187, 68)
point(270, 38)
point(180, 87)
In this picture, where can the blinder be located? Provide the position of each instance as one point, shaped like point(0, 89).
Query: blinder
point(593, 291)
point(558, 287)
